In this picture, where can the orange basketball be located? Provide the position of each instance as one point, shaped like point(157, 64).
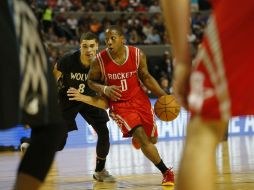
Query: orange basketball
point(166, 108)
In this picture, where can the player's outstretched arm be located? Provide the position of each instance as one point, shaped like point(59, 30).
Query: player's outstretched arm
point(97, 101)
point(147, 79)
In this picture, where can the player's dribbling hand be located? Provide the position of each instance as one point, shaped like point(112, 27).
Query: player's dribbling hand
point(113, 92)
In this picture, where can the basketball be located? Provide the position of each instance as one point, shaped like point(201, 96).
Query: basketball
point(166, 108)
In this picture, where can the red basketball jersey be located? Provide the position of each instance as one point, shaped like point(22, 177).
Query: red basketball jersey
point(124, 75)
point(134, 107)
point(222, 82)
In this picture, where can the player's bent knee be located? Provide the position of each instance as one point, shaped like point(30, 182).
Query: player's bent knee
point(141, 136)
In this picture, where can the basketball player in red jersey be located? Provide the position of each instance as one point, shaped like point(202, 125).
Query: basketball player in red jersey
point(120, 70)
point(212, 90)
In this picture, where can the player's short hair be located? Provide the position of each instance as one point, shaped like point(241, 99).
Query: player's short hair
point(89, 36)
point(116, 28)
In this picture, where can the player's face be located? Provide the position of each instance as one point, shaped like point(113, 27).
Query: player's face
point(113, 40)
point(88, 48)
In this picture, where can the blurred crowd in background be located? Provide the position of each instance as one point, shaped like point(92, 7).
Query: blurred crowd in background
point(63, 21)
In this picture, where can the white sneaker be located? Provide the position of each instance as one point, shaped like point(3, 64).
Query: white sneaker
point(103, 176)
point(24, 146)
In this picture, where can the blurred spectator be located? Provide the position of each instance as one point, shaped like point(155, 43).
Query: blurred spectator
point(65, 5)
point(147, 29)
point(164, 84)
point(153, 38)
point(47, 18)
point(50, 36)
point(155, 7)
point(134, 3)
point(141, 8)
point(95, 25)
point(73, 25)
point(133, 38)
point(167, 67)
point(124, 4)
point(51, 3)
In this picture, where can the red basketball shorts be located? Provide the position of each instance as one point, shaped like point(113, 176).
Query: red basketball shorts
point(135, 112)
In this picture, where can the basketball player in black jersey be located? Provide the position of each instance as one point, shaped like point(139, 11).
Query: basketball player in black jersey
point(71, 71)
point(28, 92)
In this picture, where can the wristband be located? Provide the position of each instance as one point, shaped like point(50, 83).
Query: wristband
point(104, 89)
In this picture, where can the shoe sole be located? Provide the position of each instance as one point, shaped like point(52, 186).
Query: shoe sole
point(97, 179)
point(168, 184)
point(106, 181)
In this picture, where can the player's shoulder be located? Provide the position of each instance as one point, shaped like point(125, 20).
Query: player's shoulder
point(135, 52)
point(134, 49)
point(102, 52)
point(130, 47)
point(70, 56)
point(70, 59)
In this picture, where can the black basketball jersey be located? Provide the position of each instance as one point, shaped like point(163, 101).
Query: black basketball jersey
point(74, 74)
point(28, 89)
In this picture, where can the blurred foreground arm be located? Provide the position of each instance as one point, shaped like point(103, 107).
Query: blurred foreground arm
point(177, 21)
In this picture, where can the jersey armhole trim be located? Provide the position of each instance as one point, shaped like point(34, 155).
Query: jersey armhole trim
point(99, 58)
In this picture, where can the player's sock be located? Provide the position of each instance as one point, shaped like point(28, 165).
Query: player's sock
point(162, 167)
point(100, 164)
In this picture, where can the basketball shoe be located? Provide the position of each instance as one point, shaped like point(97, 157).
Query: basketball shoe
point(135, 143)
point(24, 146)
point(168, 178)
point(103, 176)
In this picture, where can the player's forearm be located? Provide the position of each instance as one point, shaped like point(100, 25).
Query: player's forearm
point(97, 101)
point(177, 21)
point(152, 85)
point(97, 87)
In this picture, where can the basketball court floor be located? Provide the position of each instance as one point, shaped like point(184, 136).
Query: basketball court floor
point(73, 167)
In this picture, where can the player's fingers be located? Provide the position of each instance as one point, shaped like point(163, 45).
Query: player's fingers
point(117, 89)
point(73, 92)
point(72, 88)
point(114, 98)
point(117, 94)
point(114, 93)
point(72, 95)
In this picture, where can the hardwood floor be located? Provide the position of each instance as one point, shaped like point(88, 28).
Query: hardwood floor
point(73, 167)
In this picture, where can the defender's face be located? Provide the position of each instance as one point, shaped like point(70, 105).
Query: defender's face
point(113, 40)
point(88, 48)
